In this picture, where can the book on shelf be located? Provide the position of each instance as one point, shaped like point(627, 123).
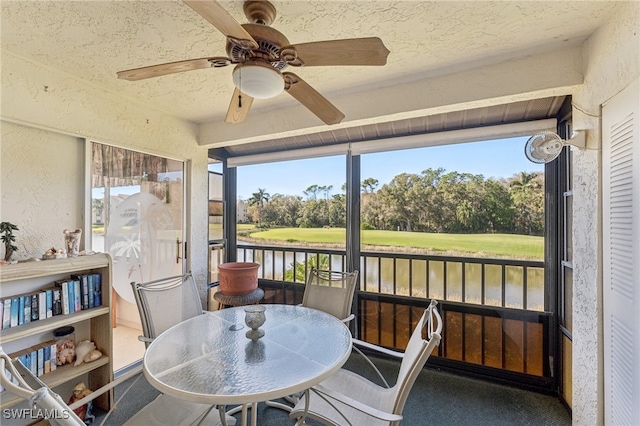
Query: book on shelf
point(33, 366)
point(72, 296)
point(97, 293)
point(91, 290)
point(6, 315)
point(77, 289)
point(49, 298)
point(40, 352)
point(80, 292)
point(57, 301)
point(42, 305)
point(40, 359)
point(64, 295)
point(15, 307)
point(24, 356)
point(47, 359)
point(27, 308)
point(20, 310)
point(54, 356)
point(35, 309)
point(84, 290)
point(25, 359)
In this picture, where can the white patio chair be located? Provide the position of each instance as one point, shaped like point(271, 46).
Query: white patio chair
point(164, 303)
point(12, 378)
point(163, 411)
point(331, 292)
point(347, 398)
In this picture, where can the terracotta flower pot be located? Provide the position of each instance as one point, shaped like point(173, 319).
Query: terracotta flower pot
point(238, 278)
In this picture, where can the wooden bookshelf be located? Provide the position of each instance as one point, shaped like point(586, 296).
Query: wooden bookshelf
point(33, 276)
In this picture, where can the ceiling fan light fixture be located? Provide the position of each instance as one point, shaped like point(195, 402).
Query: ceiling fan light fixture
point(258, 80)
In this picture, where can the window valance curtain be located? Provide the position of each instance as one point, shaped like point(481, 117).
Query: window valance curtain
point(112, 166)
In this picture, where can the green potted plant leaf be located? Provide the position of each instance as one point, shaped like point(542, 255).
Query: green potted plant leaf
point(7, 228)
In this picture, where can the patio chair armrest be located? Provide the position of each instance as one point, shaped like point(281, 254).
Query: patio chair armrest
point(324, 392)
point(348, 319)
point(366, 345)
point(377, 348)
point(145, 339)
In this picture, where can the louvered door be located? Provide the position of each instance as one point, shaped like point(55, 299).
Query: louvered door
point(621, 256)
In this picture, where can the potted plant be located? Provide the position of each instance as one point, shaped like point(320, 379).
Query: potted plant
point(238, 278)
point(7, 228)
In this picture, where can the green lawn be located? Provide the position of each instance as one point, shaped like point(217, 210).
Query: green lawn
point(486, 245)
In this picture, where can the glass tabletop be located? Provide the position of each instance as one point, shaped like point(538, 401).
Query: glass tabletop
point(209, 359)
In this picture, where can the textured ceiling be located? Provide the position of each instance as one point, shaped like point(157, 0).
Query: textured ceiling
point(94, 39)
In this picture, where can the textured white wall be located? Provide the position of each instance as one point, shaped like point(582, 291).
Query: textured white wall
point(38, 97)
point(612, 61)
point(41, 185)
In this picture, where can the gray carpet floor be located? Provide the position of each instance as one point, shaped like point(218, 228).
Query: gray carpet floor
point(437, 398)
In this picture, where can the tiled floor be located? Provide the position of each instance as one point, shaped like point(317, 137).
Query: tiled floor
point(126, 346)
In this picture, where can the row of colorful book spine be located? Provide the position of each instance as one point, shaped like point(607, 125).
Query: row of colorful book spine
point(39, 359)
point(77, 293)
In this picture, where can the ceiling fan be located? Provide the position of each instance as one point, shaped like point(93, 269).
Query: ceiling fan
point(261, 53)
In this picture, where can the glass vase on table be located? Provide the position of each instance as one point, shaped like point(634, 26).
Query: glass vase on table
point(254, 318)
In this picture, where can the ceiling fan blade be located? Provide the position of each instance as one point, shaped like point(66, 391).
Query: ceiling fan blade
point(238, 107)
point(218, 16)
point(172, 68)
point(310, 98)
point(354, 51)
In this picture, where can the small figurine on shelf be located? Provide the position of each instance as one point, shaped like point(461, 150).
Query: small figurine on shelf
point(72, 241)
point(50, 254)
point(80, 390)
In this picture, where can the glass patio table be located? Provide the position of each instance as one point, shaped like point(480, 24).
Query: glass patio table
point(208, 359)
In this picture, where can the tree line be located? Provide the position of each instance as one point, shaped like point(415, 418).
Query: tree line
point(432, 201)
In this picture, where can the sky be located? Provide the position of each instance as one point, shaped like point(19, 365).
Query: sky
point(498, 158)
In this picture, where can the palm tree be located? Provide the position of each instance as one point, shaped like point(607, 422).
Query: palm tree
point(312, 192)
point(326, 189)
point(523, 189)
point(258, 199)
point(297, 270)
point(524, 182)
